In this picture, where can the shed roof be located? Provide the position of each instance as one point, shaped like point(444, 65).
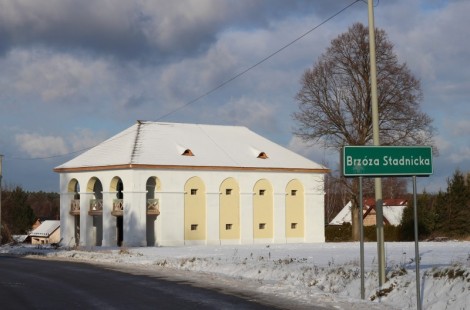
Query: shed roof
point(45, 229)
point(173, 145)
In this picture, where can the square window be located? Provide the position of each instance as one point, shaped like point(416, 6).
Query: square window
point(293, 225)
point(193, 191)
point(293, 192)
point(193, 226)
point(228, 226)
point(228, 191)
point(262, 225)
point(261, 192)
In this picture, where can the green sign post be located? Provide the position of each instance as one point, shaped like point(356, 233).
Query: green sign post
point(370, 161)
point(378, 161)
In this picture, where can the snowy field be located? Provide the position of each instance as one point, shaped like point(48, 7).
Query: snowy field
point(325, 274)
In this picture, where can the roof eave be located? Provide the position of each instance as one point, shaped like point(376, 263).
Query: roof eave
point(182, 167)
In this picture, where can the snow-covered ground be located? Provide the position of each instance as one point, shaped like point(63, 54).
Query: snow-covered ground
point(325, 274)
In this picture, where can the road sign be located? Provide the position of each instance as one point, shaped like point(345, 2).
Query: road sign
point(386, 161)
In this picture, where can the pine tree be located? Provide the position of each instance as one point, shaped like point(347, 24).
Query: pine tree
point(17, 215)
point(453, 207)
point(426, 218)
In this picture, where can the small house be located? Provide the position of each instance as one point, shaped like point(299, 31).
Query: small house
point(392, 212)
point(46, 233)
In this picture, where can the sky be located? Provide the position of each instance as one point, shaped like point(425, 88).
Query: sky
point(73, 74)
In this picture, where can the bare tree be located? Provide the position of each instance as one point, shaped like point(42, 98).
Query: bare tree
point(335, 198)
point(335, 99)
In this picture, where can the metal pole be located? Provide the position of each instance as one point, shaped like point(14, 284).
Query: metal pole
point(375, 131)
point(415, 207)
point(361, 225)
point(1, 157)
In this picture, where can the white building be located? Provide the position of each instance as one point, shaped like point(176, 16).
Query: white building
point(175, 184)
point(392, 212)
point(48, 232)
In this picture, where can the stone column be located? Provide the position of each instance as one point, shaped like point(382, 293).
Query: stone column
point(86, 221)
point(67, 221)
point(109, 221)
point(135, 218)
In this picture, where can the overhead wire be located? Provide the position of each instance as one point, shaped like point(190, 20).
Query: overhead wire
point(257, 63)
point(216, 87)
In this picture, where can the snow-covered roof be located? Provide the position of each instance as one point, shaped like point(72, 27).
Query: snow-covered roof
point(150, 144)
point(392, 211)
point(344, 216)
point(45, 229)
point(393, 214)
point(19, 238)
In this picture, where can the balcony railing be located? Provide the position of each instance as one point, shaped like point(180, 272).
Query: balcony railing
point(96, 207)
point(153, 207)
point(118, 207)
point(75, 207)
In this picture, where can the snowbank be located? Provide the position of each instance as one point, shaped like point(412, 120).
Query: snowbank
point(326, 274)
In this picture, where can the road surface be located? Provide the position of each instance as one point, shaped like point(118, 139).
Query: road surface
point(48, 284)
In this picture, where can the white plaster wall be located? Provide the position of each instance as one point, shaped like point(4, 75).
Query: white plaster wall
point(213, 217)
point(279, 202)
point(109, 221)
point(169, 224)
point(246, 216)
point(67, 221)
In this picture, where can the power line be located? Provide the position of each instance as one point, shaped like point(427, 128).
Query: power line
point(258, 63)
point(218, 86)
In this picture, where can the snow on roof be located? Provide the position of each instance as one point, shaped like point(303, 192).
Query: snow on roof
point(177, 144)
point(19, 238)
point(393, 214)
point(344, 216)
point(392, 211)
point(45, 229)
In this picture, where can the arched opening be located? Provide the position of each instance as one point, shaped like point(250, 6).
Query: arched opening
point(194, 209)
point(117, 186)
point(263, 210)
point(152, 209)
point(229, 212)
point(294, 209)
point(74, 188)
point(96, 209)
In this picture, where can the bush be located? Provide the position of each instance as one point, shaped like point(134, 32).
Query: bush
point(343, 233)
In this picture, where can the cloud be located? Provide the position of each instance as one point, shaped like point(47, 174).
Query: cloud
point(100, 26)
point(81, 71)
point(460, 155)
point(85, 138)
point(431, 41)
point(54, 77)
point(461, 128)
point(258, 115)
point(314, 152)
point(442, 143)
point(152, 30)
point(35, 145)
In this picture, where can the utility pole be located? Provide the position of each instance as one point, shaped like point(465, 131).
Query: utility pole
point(1, 157)
point(375, 131)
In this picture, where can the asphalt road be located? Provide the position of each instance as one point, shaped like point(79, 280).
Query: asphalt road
point(45, 284)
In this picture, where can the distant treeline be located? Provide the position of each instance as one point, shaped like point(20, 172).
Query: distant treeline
point(21, 209)
point(441, 215)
